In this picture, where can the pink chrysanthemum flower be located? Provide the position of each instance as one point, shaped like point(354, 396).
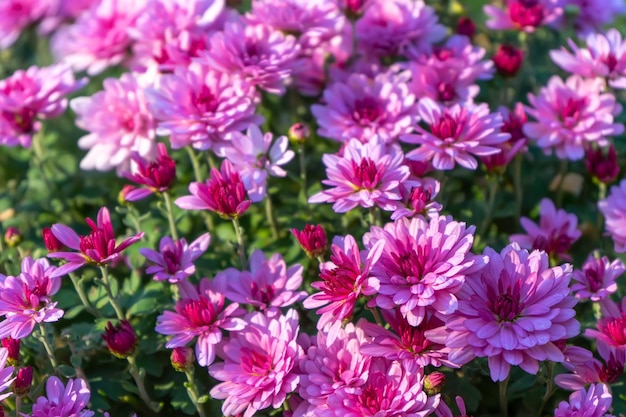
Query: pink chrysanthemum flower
point(174, 259)
point(390, 390)
point(588, 370)
point(362, 107)
point(605, 57)
point(514, 121)
point(6, 372)
point(512, 312)
point(596, 280)
point(391, 27)
point(418, 199)
point(153, 176)
point(255, 157)
point(611, 328)
point(259, 367)
point(98, 247)
point(200, 313)
point(198, 106)
point(423, 265)
point(26, 300)
point(572, 114)
point(119, 123)
point(523, 15)
point(26, 96)
point(556, 232)
point(594, 402)
point(614, 210)
point(445, 87)
point(456, 134)
point(63, 400)
point(16, 15)
point(366, 175)
point(344, 280)
point(268, 284)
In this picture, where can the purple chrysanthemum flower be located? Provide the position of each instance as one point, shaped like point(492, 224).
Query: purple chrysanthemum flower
point(594, 402)
point(260, 364)
point(98, 247)
point(200, 313)
point(417, 199)
point(556, 232)
point(588, 370)
point(444, 87)
point(16, 15)
point(174, 259)
point(198, 106)
point(63, 400)
point(523, 15)
point(513, 123)
point(366, 175)
point(268, 284)
point(6, 372)
point(594, 15)
point(456, 134)
point(513, 311)
point(572, 114)
point(614, 210)
point(423, 264)
point(596, 280)
point(118, 121)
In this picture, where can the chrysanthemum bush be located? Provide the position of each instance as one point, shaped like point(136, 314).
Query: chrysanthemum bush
point(312, 208)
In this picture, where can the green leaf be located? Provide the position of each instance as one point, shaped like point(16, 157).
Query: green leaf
point(66, 370)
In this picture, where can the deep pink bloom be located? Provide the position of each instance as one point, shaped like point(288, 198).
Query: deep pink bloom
point(23, 380)
point(360, 108)
point(62, 400)
point(268, 283)
point(155, 176)
point(614, 210)
point(456, 134)
point(26, 300)
point(6, 372)
point(594, 402)
point(13, 346)
point(366, 175)
point(556, 232)
point(223, 193)
point(98, 247)
point(198, 106)
point(27, 96)
point(174, 259)
point(312, 239)
point(200, 313)
point(596, 280)
point(344, 280)
point(513, 124)
point(418, 199)
point(523, 15)
point(120, 339)
point(182, 359)
point(118, 121)
point(588, 370)
point(259, 367)
point(508, 60)
point(601, 163)
point(423, 265)
point(572, 114)
point(465, 26)
point(611, 329)
point(16, 15)
point(512, 312)
point(52, 243)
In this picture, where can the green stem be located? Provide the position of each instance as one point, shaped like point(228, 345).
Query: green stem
point(46, 345)
point(519, 191)
point(377, 317)
point(241, 249)
point(504, 405)
point(492, 190)
point(562, 173)
point(549, 387)
point(141, 387)
point(601, 196)
point(269, 212)
point(83, 297)
point(193, 393)
point(112, 299)
point(194, 163)
point(170, 215)
point(303, 172)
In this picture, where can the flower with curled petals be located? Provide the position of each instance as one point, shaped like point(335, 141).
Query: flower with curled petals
point(613, 207)
point(596, 280)
point(6, 372)
point(592, 402)
point(63, 400)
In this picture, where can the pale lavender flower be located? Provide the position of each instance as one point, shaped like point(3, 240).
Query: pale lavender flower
point(523, 15)
point(614, 210)
point(423, 265)
point(596, 280)
point(6, 372)
point(594, 402)
point(456, 134)
point(198, 106)
point(593, 15)
point(63, 400)
point(16, 15)
point(260, 364)
point(174, 259)
point(513, 312)
point(366, 175)
point(572, 114)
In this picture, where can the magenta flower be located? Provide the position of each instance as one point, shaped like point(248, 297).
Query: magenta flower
point(508, 60)
point(155, 176)
point(312, 239)
point(572, 114)
point(26, 300)
point(523, 15)
point(260, 364)
point(418, 199)
point(16, 16)
point(602, 163)
point(26, 96)
point(98, 247)
point(611, 328)
point(223, 193)
point(514, 121)
point(6, 372)
point(62, 400)
point(456, 134)
point(423, 265)
point(344, 280)
point(588, 370)
point(118, 121)
point(200, 313)
point(596, 281)
point(594, 402)
point(512, 312)
point(362, 107)
point(614, 210)
point(366, 175)
point(268, 284)
point(121, 339)
point(556, 232)
point(446, 87)
point(197, 106)
point(174, 259)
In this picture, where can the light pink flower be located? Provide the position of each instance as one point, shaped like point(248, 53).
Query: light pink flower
point(6, 372)
point(16, 15)
point(596, 280)
point(200, 313)
point(119, 123)
point(174, 260)
point(512, 312)
point(614, 210)
point(556, 232)
point(572, 114)
point(456, 134)
point(423, 265)
point(260, 364)
point(523, 15)
point(197, 106)
point(63, 400)
point(268, 284)
point(594, 402)
point(588, 370)
point(366, 175)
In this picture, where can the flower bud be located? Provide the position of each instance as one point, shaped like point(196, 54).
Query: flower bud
point(121, 339)
point(50, 240)
point(465, 26)
point(508, 60)
point(601, 164)
point(182, 358)
point(12, 236)
point(299, 133)
point(312, 239)
point(23, 381)
point(121, 196)
point(13, 346)
point(434, 383)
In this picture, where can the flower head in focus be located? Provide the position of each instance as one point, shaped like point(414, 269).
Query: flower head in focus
point(120, 339)
point(63, 400)
point(592, 402)
point(155, 176)
point(596, 280)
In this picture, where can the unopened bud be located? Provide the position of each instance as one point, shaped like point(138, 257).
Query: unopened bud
point(50, 240)
point(434, 383)
point(120, 339)
point(508, 60)
point(23, 381)
point(312, 239)
point(182, 358)
point(602, 164)
point(12, 237)
point(299, 133)
point(466, 26)
point(13, 346)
